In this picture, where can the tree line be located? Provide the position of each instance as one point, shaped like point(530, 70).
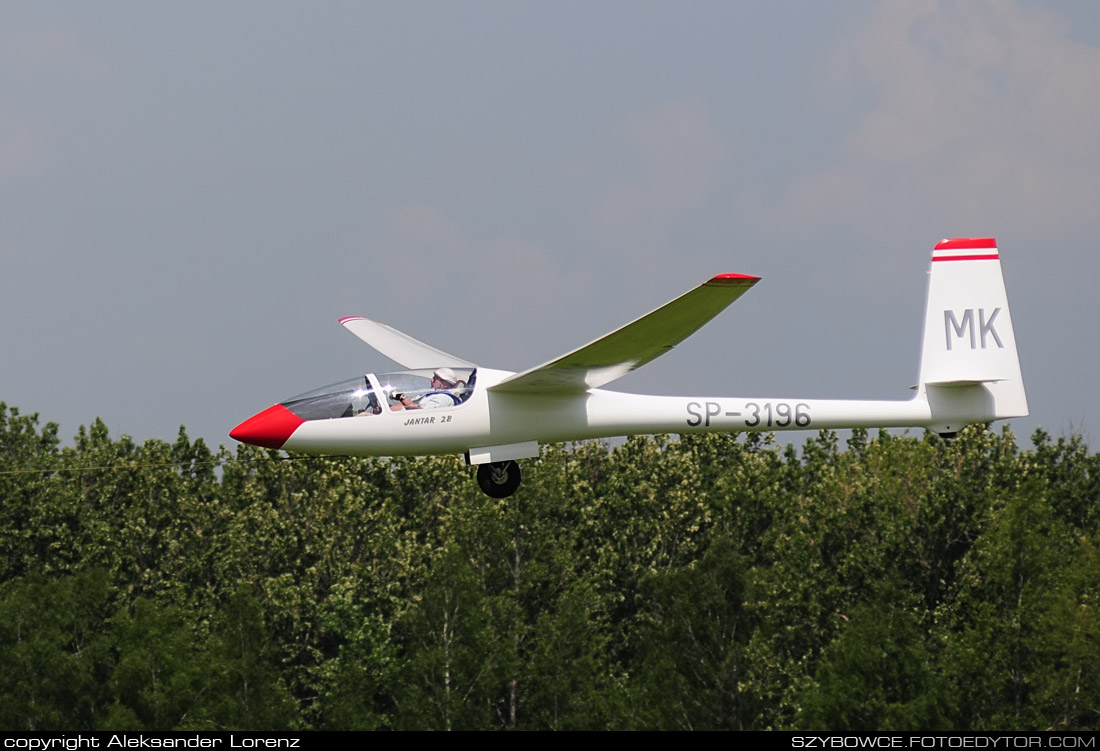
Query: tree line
point(700, 582)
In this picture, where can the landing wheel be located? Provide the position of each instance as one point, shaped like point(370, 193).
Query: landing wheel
point(498, 479)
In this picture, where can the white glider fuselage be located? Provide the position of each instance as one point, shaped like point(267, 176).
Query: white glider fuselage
point(495, 419)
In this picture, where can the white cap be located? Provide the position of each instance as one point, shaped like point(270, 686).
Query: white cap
point(448, 375)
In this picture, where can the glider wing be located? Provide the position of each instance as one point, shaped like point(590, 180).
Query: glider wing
point(401, 348)
point(632, 346)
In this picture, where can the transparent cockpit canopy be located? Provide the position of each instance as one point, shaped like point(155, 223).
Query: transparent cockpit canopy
point(356, 397)
point(344, 399)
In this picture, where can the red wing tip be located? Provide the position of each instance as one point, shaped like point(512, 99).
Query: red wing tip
point(966, 243)
point(345, 319)
point(735, 278)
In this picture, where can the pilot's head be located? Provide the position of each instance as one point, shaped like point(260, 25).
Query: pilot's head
point(444, 378)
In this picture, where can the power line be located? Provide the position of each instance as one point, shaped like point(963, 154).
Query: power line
point(158, 465)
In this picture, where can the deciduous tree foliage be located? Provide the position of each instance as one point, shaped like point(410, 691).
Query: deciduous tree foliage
point(718, 581)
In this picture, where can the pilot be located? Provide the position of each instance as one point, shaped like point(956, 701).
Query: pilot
point(443, 380)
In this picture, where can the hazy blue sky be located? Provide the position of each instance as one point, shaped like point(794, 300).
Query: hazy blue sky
point(191, 194)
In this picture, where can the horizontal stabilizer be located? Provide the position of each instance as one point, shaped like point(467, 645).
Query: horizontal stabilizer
point(632, 346)
point(962, 382)
point(401, 348)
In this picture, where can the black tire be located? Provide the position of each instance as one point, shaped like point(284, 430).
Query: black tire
point(498, 479)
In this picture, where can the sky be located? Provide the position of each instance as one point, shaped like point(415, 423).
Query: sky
point(191, 194)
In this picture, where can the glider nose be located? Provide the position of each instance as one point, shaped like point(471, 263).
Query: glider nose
point(269, 428)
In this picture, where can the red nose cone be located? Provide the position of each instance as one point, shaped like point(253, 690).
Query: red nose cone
point(269, 428)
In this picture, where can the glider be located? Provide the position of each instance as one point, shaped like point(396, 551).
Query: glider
point(442, 404)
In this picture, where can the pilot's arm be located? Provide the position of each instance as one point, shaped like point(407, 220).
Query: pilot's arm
point(431, 401)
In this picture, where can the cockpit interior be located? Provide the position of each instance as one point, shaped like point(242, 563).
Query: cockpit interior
point(372, 394)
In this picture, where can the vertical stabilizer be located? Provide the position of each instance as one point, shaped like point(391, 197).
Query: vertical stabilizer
point(969, 370)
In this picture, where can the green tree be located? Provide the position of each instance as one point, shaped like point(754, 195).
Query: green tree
point(878, 675)
point(53, 651)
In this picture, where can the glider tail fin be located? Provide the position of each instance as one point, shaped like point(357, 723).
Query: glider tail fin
point(969, 369)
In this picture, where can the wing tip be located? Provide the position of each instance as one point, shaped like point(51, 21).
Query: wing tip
point(345, 319)
point(734, 279)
